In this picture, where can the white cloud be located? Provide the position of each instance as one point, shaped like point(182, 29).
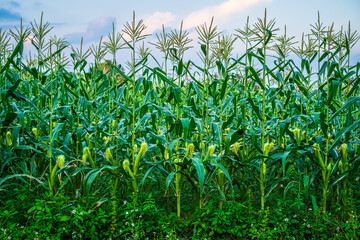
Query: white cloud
point(155, 21)
point(28, 45)
point(100, 26)
point(221, 12)
point(28, 40)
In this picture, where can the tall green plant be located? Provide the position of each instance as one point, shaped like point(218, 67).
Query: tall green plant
point(134, 30)
point(207, 36)
point(265, 31)
point(99, 52)
point(164, 44)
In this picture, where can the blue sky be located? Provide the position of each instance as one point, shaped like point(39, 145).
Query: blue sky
point(75, 18)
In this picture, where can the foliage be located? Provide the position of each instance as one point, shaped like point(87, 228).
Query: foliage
point(234, 148)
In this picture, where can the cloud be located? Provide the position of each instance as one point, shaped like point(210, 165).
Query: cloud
point(6, 26)
point(28, 40)
point(37, 4)
point(6, 15)
point(155, 21)
point(160, 31)
point(14, 4)
point(98, 27)
point(221, 12)
point(11, 5)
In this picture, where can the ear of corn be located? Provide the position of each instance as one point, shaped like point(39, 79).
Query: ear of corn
point(60, 161)
point(8, 139)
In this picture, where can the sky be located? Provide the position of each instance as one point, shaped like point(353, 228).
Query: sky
point(73, 19)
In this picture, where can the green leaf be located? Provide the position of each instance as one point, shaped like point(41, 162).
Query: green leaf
point(15, 133)
point(283, 161)
point(313, 200)
point(9, 118)
point(217, 130)
point(12, 89)
point(26, 147)
point(255, 108)
point(185, 122)
point(16, 50)
point(323, 68)
point(221, 68)
point(228, 122)
point(280, 52)
point(268, 36)
point(194, 85)
point(180, 68)
point(223, 169)
point(172, 145)
point(224, 87)
point(160, 74)
point(169, 179)
point(344, 130)
point(323, 56)
point(177, 94)
point(273, 186)
point(301, 86)
point(64, 218)
point(255, 76)
point(55, 131)
point(199, 166)
point(2, 180)
point(346, 105)
point(332, 67)
point(347, 76)
point(91, 176)
point(120, 94)
point(142, 120)
point(226, 103)
point(340, 178)
point(149, 171)
point(138, 84)
point(355, 86)
point(203, 49)
point(333, 90)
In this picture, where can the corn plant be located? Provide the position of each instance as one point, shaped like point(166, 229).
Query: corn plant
point(192, 133)
point(134, 30)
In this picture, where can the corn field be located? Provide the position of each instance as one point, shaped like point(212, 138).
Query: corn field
point(280, 121)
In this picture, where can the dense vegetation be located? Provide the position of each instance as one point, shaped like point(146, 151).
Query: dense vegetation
point(230, 148)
